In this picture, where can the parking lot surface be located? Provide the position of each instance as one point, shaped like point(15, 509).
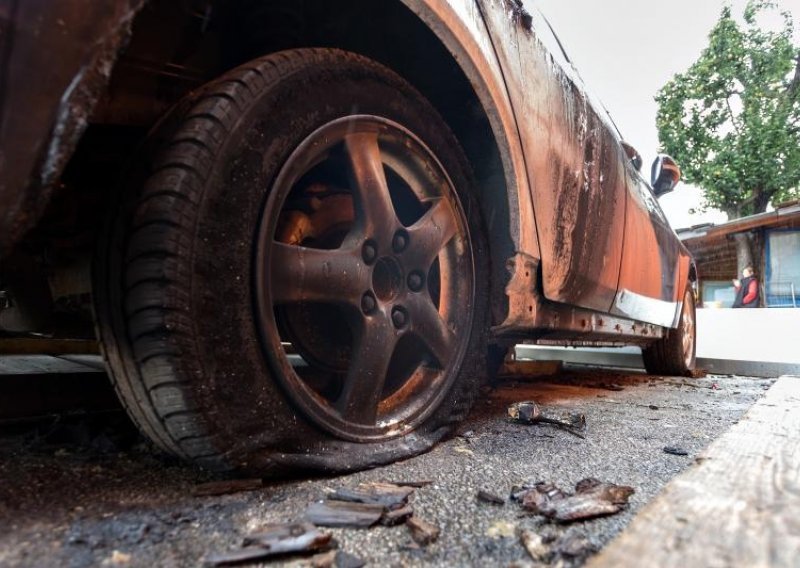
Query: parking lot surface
point(81, 490)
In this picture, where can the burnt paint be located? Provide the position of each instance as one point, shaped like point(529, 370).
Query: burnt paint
point(58, 58)
point(655, 263)
point(460, 26)
point(44, 117)
point(573, 158)
point(520, 15)
point(646, 248)
point(89, 44)
point(533, 317)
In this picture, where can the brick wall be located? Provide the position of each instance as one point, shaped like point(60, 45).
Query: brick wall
point(715, 257)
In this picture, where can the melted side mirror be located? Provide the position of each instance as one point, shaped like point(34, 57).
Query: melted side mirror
point(664, 175)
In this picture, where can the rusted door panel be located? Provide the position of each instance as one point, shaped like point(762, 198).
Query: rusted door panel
point(574, 161)
point(650, 286)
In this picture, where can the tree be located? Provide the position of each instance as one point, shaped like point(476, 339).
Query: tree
point(732, 120)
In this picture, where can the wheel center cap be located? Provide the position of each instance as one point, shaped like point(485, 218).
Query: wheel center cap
point(387, 278)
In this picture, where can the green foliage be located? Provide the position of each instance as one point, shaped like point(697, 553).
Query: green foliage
point(732, 120)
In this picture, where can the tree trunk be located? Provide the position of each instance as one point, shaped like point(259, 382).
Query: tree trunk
point(744, 252)
point(761, 200)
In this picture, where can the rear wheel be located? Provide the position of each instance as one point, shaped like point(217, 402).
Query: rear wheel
point(675, 354)
point(298, 282)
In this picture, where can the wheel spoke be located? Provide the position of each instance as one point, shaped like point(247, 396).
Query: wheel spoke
point(366, 375)
point(428, 325)
point(373, 203)
point(431, 233)
point(302, 274)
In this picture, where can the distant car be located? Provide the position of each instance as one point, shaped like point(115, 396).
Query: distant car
point(317, 226)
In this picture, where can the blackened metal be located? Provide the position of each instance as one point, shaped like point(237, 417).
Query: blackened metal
point(416, 483)
point(344, 514)
point(45, 113)
point(385, 494)
point(423, 532)
point(488, 497)
point(396, 516)
point(284, 538)
point(592, 498)
point(276, 540)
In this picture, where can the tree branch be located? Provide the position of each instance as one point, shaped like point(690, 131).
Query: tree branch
point(733, 118)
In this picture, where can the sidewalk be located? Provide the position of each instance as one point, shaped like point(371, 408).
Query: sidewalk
point(760, 342)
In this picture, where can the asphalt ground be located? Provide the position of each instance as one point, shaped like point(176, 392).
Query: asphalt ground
point(84, 490)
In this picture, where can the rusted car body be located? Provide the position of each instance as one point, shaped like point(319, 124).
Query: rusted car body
point(581, 252)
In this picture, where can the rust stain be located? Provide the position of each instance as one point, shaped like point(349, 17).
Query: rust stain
point(599, 227)
point(570, 151)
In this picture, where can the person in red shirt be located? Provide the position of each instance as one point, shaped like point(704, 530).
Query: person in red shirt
point(747, 295)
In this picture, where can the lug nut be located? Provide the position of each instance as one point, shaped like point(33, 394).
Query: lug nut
point(399, 318)
point(368, 303)
point(400, 241)
point(369, 252)
point(415, 281)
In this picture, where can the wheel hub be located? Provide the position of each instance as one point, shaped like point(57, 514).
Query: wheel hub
point(387, 278)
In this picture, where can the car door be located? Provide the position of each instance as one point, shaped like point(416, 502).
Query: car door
point(575, 164)
point(650, 277)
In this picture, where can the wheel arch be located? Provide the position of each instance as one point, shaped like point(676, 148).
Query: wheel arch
point(442, 48)
point(505, 198)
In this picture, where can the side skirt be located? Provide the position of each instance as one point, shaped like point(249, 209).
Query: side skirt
point(532, 317)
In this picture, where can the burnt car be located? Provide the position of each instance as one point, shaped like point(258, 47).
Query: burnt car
point(306, 231)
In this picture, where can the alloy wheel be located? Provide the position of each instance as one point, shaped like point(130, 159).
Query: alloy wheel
point(364, 279)
point(688, 327)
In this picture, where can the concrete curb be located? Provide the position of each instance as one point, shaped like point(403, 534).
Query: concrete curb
point(630, 358)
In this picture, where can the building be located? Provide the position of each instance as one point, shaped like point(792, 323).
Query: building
point(776, 255)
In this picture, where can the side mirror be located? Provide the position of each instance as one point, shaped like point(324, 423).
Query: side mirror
point(664, 175)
